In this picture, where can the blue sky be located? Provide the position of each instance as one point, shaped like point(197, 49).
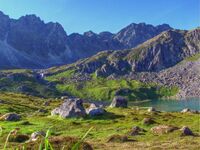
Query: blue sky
point(107, 15)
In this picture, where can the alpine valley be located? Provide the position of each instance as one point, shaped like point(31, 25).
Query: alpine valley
point(71, 84)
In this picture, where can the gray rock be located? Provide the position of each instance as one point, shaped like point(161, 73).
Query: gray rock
point(119, 101)
point(186, 131)
point(35, 135)
point(94, 110)
point(11, 117)
point(70, 108)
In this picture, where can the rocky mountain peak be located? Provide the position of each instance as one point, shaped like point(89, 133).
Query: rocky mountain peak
point(30, 19)
point(89, 34)
point(135, 34)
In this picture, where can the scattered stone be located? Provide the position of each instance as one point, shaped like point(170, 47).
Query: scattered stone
point(10, 117)
point(186, 131)
point(136, 131)
point(70, 108)
point(148, 121)
point(36, 135)
point(163, 129)
point(118, 138)
point(186, 110)
point(93, 110)
point(119, 101)
point(152, 109)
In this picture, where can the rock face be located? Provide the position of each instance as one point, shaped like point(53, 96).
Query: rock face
point(119, 101)
point(70, 108)
point(10, 117)
point(28, 39)
point(94, 110)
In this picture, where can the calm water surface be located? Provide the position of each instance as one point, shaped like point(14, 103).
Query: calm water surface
point(170, 105)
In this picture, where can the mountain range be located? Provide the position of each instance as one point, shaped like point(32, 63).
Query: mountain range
point(29, 42)
point(139, 52)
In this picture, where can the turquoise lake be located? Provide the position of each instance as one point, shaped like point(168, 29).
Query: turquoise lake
point(170, 105)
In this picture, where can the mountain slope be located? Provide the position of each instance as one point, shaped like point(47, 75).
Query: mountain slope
point(170, 59)
point(161, 52)
point(31, 43)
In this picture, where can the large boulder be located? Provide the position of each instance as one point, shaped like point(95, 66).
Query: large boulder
point(94, 110)
point(10, 117)
point(119, 101)
point(163, 129)
point(70, 108)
